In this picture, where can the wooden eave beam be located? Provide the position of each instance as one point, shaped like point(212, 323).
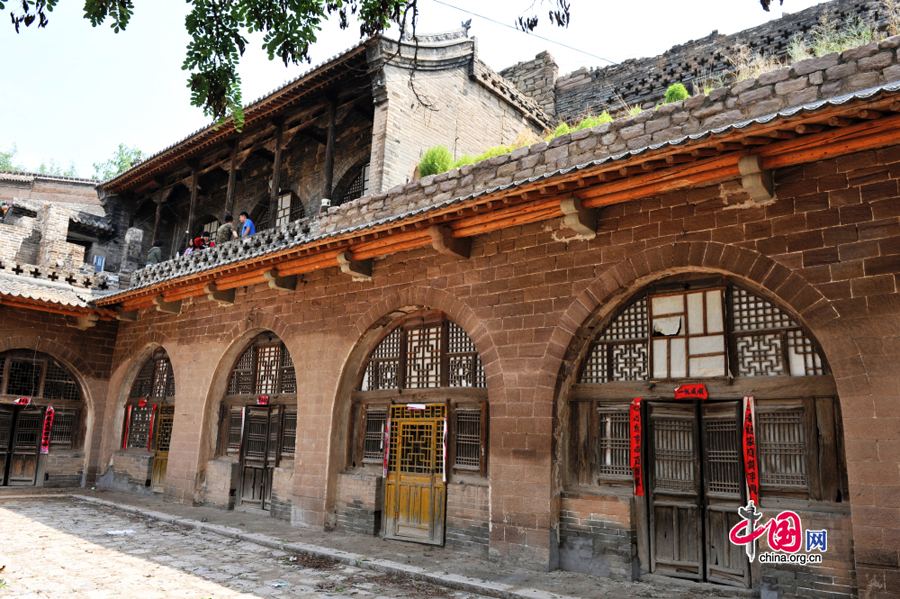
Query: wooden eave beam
point(519, 206)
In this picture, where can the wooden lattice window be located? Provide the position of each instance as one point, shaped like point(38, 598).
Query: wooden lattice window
point(614, 443)
point(139, 426)
point(153, 386)
point(705, 333)
point(420, 355)
point(470, 445)
point(24, 377)
point(373, 437)
point(235, 424)
point(289, 433)
point(65, 423)
point(265, 368)
point(782, 447)
point(268, 362)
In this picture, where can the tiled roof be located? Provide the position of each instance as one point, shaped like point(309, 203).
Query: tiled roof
point(44, 291)
point(27, 177)
point(83, 214)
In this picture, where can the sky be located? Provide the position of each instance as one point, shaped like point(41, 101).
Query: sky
point(72, 93)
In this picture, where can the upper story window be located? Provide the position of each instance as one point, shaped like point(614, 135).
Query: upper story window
point(154, 386)
point(290, 208)
point(709, 333)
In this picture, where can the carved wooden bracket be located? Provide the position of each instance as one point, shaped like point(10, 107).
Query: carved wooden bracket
point(756, 181)
point(127, 316)
point(357, 268)
point(223, 297)
point(82, 323)
point(443, 241)
point(168, 307)
point(581, 220)
point(282, 283)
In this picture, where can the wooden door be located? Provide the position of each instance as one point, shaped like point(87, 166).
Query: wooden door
point(415, 489)
point(7, 413)
point(163, 438)
point(676, 521)
point(259, 451)
point(25, 450)
point(723, 492)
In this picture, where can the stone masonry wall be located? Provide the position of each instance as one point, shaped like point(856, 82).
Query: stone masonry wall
point(828, 248)
point(468, 517)
point(359, 503)
point(43, 188)
point(597, 535)
point(643, 81)
point(536, 79)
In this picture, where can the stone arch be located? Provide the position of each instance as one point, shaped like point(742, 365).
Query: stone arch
point(361, 339)
point(614, 287)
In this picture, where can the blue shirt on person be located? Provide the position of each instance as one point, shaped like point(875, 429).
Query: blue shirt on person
point(249, 228)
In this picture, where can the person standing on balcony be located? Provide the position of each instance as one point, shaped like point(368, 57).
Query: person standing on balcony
point(154, 256)
point(248, 228)
point(226, 232)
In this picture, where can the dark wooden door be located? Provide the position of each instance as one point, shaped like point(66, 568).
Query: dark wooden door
point(7, 414)
point(25, 450)
point(415, 491)
point(723, 492)
point(676, 519)
point(259, 452)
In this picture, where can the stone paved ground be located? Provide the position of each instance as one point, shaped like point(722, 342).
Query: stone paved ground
point(53, 542)
point(62, 549)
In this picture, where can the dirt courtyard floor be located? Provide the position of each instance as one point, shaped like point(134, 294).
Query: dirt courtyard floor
point(64, 548)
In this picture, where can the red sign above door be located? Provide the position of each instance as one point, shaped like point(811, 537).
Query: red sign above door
point(691, 392)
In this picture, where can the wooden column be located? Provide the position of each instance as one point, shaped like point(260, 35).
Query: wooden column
point(328, 185)
point(276, 173)
point(232, 177)
point(195, 188)
point(159, 201)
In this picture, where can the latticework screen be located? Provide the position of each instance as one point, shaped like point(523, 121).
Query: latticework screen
point(373, 440)
point(383, 369)
point(676, 455)
point(241, 381)
point(468, 440)
point(139, 427)
point(723, 458)
point(58, 384)
point(24, 378)
point(781, 443)
point(615, 442)
point(620, 352)
point(63, 431)
point(289, 433)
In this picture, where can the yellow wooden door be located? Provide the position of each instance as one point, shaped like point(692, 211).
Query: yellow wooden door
point(415, 488)
point(163, 439)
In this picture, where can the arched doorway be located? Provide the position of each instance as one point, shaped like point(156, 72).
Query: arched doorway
point(419, 420)
point(736, 346)
point(37, 392)
point(258, 424)
point(150, 414)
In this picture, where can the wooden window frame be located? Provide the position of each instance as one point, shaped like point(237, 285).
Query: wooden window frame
point(152, 367)
point(453, 412)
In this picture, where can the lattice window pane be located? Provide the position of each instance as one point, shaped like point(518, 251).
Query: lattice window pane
point(804, 359)
point(289, 432)
point(257, 434)
point(423, 358)
point(59, 385)
point(288, 375)
point(284, 210)
point(62, 434)
point(241, 381)
point(752, 313)
point(418, 450)
point(760, 355)
point(595, 369)
point(24, 378)
point(464, 363)
point(373, 442)
point(723, 456)
point(359, 187)
point(170, 384)
point(615, 442)
point(629, 325)
point(139, 427)
point(28, 429)
point(143, 384)
point(781, 443)
point(164, 429)
point(268, 362)
point(274, 423)
point(383, 369)
point(161, 378)
point(468, 440)
point(235, 420)
point(675, 455)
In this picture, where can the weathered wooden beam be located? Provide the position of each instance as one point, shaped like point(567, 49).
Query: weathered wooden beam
point(280, 283)
point(443, 242)
point(704, 152)
point(578, 218)
point(839, 121)
point(156, 220)
point(167, 307)
point(223, 297)
point(360, 269)
point(804, 128)
point(728, 146)
point(869, 114)
point(328, 183)
point(782, 134)
point(756, 181)
point(126, 315)
point(232, 178)
point(195, 188)
point(264, 154)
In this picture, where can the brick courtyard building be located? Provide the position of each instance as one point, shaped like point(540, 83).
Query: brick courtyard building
point(454, 359)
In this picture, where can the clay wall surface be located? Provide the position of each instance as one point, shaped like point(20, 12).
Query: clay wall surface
point(827, 249)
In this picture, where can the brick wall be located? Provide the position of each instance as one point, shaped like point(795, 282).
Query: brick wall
point(32, 186)
point(536, 79)
point(359, 503)
point(221, 483)
point(597, 535)
point(468, 515)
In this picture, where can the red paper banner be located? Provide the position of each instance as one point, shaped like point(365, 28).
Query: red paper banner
point(127, 423)
point(142, 403)
point(150, 434)
point(636, 465)
point(387, 444)
point(263, 400)
point(691, 392)
point(45, 434)
point(23, 401)
point(750, 466)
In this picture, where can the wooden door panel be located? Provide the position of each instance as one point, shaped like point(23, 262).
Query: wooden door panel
point(725, 562)
point(259, 454)
point(163, 441)
point(676, 522)
point(25, 448)
point(6, 429)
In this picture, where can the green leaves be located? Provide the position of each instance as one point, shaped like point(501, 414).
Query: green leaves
point(122, 160)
